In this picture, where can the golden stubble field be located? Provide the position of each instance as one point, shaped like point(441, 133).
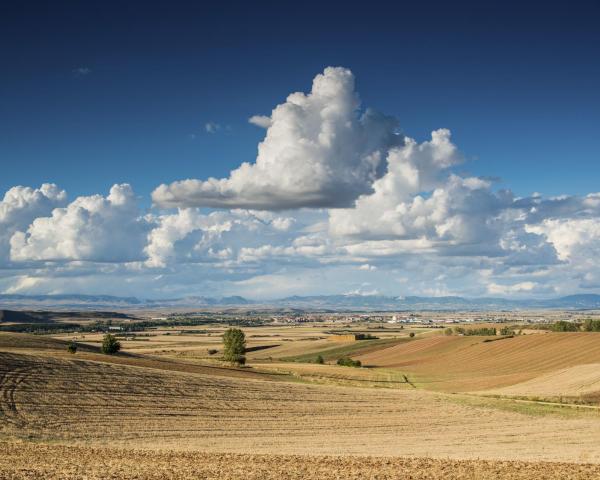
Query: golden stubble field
point(139, 416)
point(84, 402)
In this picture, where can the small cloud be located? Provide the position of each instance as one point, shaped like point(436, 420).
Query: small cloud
point(282, 223)
point(81, 71)
point(260, 121)
point(366, 266)
point(212, 127)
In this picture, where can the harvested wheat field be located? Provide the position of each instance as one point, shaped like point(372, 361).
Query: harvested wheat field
point(462, 364)
point(575, 381)
point(92, 403)
point(136, 416)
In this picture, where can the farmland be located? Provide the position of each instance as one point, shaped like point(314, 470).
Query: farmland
point(429, 404)
point(460, 364)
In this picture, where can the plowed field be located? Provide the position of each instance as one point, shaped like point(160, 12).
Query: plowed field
point(462, 364)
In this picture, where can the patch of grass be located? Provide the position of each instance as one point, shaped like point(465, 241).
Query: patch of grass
point(526, 407)
point(364, 378)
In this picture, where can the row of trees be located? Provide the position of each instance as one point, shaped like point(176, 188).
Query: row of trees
point(588, 325)
point(471, 331)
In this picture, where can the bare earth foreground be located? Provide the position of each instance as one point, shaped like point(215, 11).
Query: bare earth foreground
point(27, 461)
point(143, 418)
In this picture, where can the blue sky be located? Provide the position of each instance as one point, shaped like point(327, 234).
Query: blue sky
point(93, 96)
point(502, 76)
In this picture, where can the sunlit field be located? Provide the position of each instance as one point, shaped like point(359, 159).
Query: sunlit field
point(428, 404)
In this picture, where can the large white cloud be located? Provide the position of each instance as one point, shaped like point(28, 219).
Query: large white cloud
point(319, 151)
point(395, 209)
point(21, 205)
point(419, 205)
point(576, 239)
point(94, 228)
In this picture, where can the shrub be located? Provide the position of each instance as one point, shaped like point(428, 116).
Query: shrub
point(110, 344)
point(212, 351)
point(411, 334)
point(507, 331)
point(590, 325)
point(562, 326)
point(348, 362)
point(448, 331)
point(320, 360)
point(234, 346)
point(72, 347)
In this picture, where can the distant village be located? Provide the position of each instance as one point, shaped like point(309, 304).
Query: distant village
point(433, 319)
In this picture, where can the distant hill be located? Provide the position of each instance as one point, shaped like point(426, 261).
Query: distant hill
point(315, 302)
point(12, 316)
point(378, 302)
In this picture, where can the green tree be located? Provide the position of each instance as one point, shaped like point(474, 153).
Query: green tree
point(320, 360)
point(348, 362)
point(234, 346)
point(110, 344)
point(72, 347)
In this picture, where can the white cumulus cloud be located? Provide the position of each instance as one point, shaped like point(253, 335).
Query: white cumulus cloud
point(21, 205)
point(94, 228)
point(319, 151)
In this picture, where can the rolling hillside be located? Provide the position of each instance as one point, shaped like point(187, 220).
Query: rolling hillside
point(462, 364)
point(22, 341)
point(44, 397)
point(581, 382)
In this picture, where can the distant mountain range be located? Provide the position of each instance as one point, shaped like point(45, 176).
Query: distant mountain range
point(320, 302)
